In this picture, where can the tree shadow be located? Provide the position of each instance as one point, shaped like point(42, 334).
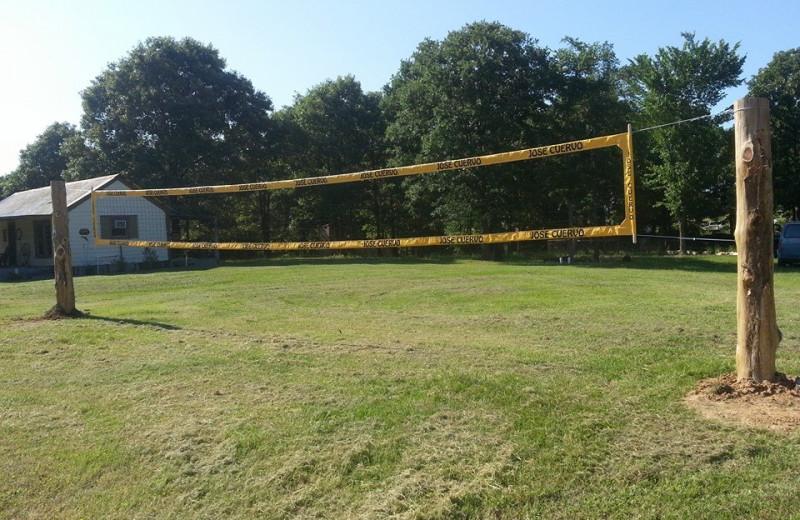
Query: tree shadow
point(645, 263)
point(671, 263)
point(124, 321)
point(687, 263)
point(343, 260)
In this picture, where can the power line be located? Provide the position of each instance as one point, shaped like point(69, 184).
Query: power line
point(709, 116)
point(693, 239)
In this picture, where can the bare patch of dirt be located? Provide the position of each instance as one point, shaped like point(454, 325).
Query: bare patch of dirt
point(772, 406)
point(57, 313)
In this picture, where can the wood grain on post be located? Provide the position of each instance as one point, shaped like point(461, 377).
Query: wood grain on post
point(757, 335)
point(62, 254)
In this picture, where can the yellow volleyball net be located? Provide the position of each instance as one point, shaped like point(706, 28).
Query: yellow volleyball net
point(117, 223)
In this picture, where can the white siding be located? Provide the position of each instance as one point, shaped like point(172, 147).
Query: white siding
point(152, 226)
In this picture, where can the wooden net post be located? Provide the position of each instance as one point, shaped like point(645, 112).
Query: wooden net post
point(757, 329)
point(62, 254)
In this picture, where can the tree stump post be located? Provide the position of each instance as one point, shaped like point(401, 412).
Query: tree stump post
point(62, 254)
point(757, 328)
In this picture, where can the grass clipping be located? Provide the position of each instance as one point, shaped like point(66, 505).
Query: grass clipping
point(767, 405)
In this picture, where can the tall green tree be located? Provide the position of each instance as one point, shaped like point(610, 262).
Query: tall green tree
point(681, 83)
point(334, 128)
point(171, 114)
point(85, 160)
point(588, 103)
point(44, 160)
point(484, 88)
point(779, 82)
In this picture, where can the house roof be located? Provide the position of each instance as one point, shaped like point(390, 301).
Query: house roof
point(38, 203)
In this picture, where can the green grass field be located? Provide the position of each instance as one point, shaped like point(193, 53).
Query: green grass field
point(339, 388)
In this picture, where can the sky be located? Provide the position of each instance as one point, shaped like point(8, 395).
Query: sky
point(50, 50)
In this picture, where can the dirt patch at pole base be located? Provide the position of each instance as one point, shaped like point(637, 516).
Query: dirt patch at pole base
point(767, 405)
point(57, 313)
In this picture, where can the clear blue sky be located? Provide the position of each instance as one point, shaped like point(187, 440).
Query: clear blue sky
point(52, 49)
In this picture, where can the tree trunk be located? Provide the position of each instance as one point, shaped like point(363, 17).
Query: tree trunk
point(757, 329)
point(571, 244)
point(264, 209)
point(681, 235)
point(62, 254)
point(376, 210)
point(376, 213)
point(491, 252)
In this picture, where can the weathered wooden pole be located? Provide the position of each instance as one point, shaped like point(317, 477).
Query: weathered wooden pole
point(62, 254)
point(757, 328)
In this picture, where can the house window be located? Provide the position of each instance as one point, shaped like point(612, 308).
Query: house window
point(42, 239)
point(119, 227)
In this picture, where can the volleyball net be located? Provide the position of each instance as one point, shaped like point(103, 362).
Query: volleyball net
point(119, 215)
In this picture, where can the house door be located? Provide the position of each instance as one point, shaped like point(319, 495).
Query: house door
point(12, 243)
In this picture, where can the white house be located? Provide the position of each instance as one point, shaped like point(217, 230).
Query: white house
point(26, 236)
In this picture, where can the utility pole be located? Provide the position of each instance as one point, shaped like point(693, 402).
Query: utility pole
point(62, 254)
point(757, 328)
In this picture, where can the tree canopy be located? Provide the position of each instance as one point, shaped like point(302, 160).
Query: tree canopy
point(170, 113)
point(335, 128)
point(680, 83)
point(42, 161)
point(484, 88)
point(779, 81)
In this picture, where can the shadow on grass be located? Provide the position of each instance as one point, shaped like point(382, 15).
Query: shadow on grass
point(166, 269)
point(343, 260)
point(123, 321)
point(705, 264)
point(669, 263)
point(708, 264)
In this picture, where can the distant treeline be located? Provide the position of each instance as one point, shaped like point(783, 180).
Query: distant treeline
point(170, 114)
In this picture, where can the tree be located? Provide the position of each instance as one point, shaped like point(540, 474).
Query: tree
point(337, 128)
point(170, 114)
point(85, 161)
point(484, 88)
point(42, 161)
point(677, 84)
point(779, 82)
point(587, 103)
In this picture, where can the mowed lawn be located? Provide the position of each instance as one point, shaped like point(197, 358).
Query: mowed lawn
point(344, 388)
